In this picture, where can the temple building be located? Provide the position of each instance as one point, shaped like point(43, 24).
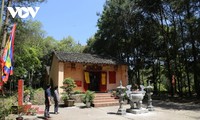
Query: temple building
point(90, 71)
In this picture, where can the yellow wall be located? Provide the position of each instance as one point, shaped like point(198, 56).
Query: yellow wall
point(76, 74)
point(60, 76)
point(121, 74)
point(53, 74)
point(56, 73)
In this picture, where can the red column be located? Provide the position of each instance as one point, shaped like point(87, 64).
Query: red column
point(20, 92)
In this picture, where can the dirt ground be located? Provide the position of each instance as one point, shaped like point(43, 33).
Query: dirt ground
point(164, 110)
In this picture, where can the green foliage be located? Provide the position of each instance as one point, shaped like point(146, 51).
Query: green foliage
point(32, 51)
point(88, 96)
point(28, 51)
point(69, 45)
point(65, 96)
point(39, 90)
point(162, 88)
point(157, 37)
point(77, 92)
point(90, 45)
point(29, 91)
point(39, 97)
point(5, 105)
point(68, 86)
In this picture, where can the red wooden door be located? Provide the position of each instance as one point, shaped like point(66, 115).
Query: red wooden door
point(103, 82)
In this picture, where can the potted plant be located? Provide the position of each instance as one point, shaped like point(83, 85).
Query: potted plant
point(19, 117)
point(88, 98)
point(68, 86)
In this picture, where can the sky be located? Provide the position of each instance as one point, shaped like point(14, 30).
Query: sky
point(75, 18)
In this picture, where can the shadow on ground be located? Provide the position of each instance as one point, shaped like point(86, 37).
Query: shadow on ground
point(112, 113)
point(176, 105)
point(80, 106)
point(41, 117)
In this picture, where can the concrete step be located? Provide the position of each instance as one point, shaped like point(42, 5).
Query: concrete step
point(104, 99)
point(102, 95)
point(105, 104)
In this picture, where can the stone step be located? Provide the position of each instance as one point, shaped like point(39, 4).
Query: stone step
point(108, 97)
point(105, 104)
point(102, 95)
point(104, 99)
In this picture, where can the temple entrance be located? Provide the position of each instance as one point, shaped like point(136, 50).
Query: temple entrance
point(95, 78)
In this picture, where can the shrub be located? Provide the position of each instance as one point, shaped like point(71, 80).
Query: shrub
point(68, 86)
point(65, 96)
point(88, 97)
point(77, 92)
point(5, 106)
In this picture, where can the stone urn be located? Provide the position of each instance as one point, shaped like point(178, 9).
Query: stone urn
point(136, 98)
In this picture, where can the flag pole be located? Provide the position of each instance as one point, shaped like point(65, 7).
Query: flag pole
point(1, 22)
point(3, 30)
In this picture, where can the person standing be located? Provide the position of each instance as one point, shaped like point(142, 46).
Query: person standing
point(47, 101)
point(56, 100)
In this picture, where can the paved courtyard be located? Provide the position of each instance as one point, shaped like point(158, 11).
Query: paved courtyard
point(163, 111)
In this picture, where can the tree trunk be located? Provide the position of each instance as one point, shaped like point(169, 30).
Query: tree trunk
point(154, 79)
point(185, 57)
point(5, 27)
point(194, 51)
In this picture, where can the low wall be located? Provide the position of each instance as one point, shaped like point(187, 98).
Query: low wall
point(78, 98)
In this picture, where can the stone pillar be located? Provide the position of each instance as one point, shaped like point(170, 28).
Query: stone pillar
point(20, 92)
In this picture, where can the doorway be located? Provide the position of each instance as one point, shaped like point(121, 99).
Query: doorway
point(95, 78)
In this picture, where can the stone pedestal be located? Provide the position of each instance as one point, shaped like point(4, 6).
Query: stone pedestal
point(150, 106)
point(137, 111)
point(121, 111)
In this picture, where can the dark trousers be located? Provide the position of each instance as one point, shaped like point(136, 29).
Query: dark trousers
point(56, 106)
point(46, 112)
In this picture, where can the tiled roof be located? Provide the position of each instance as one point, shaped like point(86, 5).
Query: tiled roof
point(85, 58)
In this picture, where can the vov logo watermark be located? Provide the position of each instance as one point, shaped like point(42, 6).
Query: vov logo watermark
point(23, 12)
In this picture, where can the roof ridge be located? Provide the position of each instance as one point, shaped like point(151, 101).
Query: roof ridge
point(85, 58)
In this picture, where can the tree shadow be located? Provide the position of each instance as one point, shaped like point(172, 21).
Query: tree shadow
point(85, 107)
point(176, 105)
point(62, 105)
point(112, 113)
point(42, 117)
